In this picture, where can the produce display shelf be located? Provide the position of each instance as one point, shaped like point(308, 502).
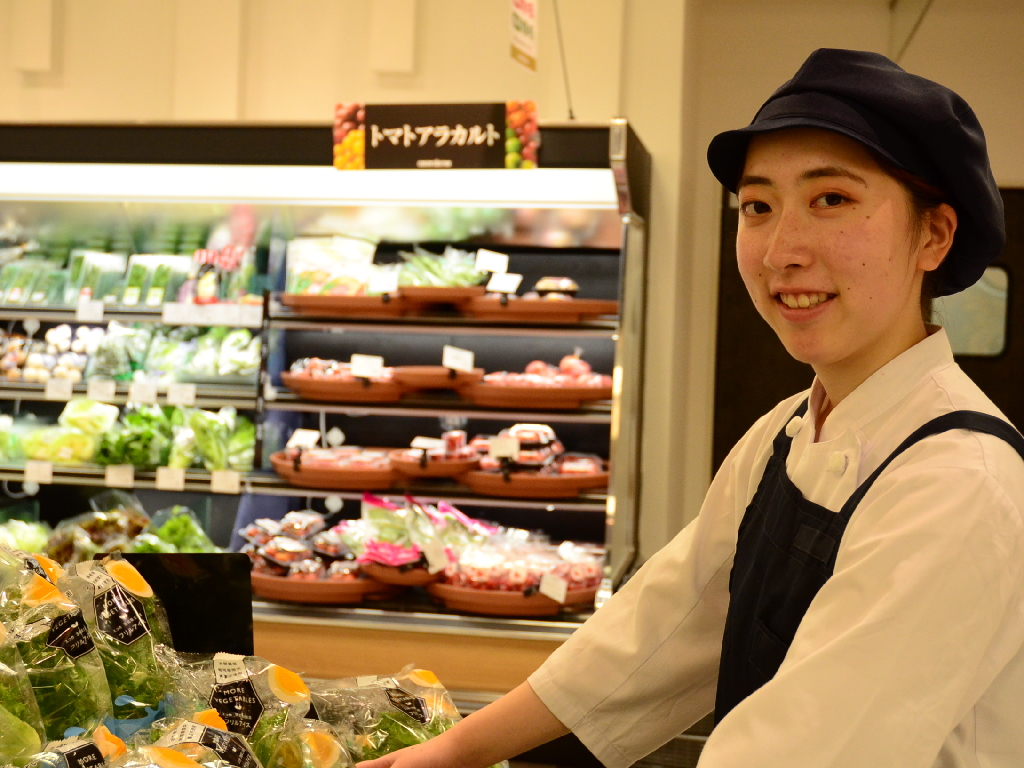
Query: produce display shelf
point(595, 412)
point(419, 618)
point(70, 315)
point(442, 324)
point(207, 395)
point(269, 484)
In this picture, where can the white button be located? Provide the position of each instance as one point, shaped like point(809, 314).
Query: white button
point(794, 426)
point(837, 463)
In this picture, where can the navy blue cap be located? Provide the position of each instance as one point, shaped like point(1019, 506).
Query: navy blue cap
point(916, 124)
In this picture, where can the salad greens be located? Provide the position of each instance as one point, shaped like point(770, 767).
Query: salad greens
point(452, 269)
point(142, 438)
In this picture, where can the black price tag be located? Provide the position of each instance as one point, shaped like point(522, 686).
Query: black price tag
point(120, 616)
point(435, 136)
point(230, 748)
point(413, 706)
point(86, 756)
point(70, 633)
point(239, 705)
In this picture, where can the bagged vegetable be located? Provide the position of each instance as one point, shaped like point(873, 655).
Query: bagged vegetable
point(88, 416)
point(184, 450)
point(203, 363)
point(168, 352)
point(178, 528)
point(239, 354)
point(142, 438)
point(242, 445)
point(60, 656)
point(21, 727)
point(197, 740)
point(126, 622)
point(59, 445)
point(309, 744)
point(380, 715)
point(110, 359)
point(26, 536)
point(89, 752)
point(213, 434)
point(253, 696)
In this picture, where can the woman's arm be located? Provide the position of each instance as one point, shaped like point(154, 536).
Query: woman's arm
point(510, 726)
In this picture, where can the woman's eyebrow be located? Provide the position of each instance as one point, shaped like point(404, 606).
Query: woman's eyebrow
point(830, 171)
point(746, 181)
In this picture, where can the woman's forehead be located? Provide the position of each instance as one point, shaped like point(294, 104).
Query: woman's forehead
point(798, 149)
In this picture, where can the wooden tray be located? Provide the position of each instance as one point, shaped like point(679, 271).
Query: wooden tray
point(339, 391)
point(344, 306)
point(417, 298)
point(435, 377)
point(332, 479)
point(553, 398)
point(541, 310)
point(388, 574)
point(323, 592)
point(491, 602)
point(529, 485)
point(435, 468)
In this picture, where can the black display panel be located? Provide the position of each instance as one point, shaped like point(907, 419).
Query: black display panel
point(208, 598)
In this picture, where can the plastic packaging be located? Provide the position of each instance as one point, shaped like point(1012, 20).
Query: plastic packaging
point(97, 750)
point(309, 744)
point(452, 269)
point(179, 529)
point(60, 656)
point(88, 416)
point(21, 727)
point(302, 525)
point(335, 266)
point(59, 445)
point(126, 622)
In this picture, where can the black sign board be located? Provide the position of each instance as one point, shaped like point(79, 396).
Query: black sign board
point(435, 135)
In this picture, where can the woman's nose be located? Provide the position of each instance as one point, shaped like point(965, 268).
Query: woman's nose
point(789, 245)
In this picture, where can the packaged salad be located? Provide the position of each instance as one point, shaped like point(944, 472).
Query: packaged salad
point(309, 744)
point(126, 621)
point(60, 656)
point(81, 752)
point(21, 727)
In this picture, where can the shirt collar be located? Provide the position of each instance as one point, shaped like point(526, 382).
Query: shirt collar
point(884, 388)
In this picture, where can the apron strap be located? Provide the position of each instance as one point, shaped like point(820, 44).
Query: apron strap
point(970, 420)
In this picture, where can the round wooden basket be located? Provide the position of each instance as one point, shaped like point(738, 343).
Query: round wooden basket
point(332, 479)
point(340, 391)
point(322, 592)
point(490, 602)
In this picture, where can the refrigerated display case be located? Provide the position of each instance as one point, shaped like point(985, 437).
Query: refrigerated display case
point(582, 214)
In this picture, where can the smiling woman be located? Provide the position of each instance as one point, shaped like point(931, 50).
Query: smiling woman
point(851, 592)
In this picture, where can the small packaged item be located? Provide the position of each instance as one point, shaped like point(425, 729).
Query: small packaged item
point(343, 570)
point(331, 544)
point(302, 525)
point(261, 531)
point(306, 570)
point(284, 550)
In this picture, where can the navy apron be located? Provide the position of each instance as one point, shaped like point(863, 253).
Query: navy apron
point(786, 551)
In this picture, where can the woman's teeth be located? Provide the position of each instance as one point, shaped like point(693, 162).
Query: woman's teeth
point(802, 300)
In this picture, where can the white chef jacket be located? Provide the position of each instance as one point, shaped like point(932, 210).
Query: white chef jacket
point(910, 655)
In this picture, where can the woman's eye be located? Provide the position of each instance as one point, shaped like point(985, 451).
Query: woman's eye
point(755, 208)
point(829, 200)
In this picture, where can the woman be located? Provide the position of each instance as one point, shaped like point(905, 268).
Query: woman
point(851, 593)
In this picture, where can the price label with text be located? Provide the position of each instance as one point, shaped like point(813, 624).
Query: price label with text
point(491, 261)
point(119, 476)
point(58, 389)
point(225, 481)
point(367, 366)
point(142, 392)
point(304, 438)
point(181, 394)
point(170, 479)
point(506, 282)
point(383, 282)
point(40, 472)
point(456, 358)
point(89, 311)
point(554, 587)
point(503, 448)
point(103, 390)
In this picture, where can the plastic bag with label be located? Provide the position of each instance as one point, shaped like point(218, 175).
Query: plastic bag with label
point(21, 727)
point(60, 656)
point(309, 744)
point(94, 751)
point(127, 622)
point(253, 696)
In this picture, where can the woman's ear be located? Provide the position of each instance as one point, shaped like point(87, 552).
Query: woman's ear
point(938, 237)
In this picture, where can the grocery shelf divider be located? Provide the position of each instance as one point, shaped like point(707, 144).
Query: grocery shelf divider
point(207, 396)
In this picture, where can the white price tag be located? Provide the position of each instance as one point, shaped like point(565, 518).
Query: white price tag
point(58, 389)
point(427, 443)
point(383, 282)
point(457, 358)
point(119, 476)
point(491, 261)
point(176, 313)
point(181, 394)
point(225, 481)
point(229, 668)
point(186, 732)
point(142, 392)
point(250, 315)
point(304, 438)
point(170, 479)
point(40, 472)
point(506, 282)
point(94, 573)
point(103, 390)
point(364, 680)
point(89, 311)
point(437, 558)
point(504, 448)
point(367, 366)
point(554, 587)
